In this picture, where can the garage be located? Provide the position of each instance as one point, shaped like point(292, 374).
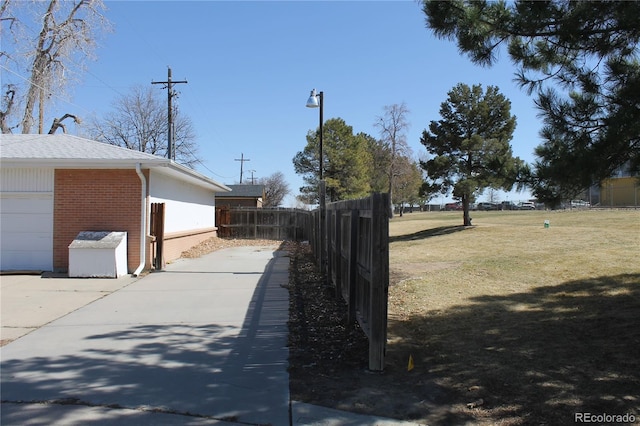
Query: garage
point(52, 187)
point(26, 219)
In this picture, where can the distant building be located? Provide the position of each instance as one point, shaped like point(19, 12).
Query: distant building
point(622, 189)
point(241, 196)
point(620, 192)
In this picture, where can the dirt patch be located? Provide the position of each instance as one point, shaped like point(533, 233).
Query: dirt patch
point(328, 357)
point(216, 243)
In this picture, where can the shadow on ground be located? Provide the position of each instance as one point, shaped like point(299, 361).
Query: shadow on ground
point(530, 358)
point(428, 233)
point(198, 370)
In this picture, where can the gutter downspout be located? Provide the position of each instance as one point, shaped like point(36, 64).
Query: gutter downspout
point(143, 221)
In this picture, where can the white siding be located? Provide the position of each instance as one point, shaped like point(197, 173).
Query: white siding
point(187, 207)
point(26, 219)
point(26, 180)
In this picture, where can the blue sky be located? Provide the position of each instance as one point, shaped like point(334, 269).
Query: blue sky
point(251, 65)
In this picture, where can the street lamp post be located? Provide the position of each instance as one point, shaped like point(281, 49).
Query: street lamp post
point(315, 101)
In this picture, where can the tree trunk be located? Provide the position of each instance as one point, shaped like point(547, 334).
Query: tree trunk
point(465, 208)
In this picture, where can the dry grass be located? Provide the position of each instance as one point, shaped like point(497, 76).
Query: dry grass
point(537, 323)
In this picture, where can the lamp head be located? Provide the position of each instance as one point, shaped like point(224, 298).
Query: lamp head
point(312, 102)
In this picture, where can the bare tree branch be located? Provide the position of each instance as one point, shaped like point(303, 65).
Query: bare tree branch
point(57, 122)
point(7, 101)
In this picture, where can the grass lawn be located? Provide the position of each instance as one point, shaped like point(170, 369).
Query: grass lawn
point(515, 322)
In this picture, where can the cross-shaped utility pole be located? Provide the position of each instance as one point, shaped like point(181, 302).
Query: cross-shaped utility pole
point(241, 160)
point(171, 149)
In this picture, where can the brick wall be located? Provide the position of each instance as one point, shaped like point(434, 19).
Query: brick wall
point(95, 200)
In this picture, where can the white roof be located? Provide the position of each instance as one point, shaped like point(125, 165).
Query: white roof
point(68, 151)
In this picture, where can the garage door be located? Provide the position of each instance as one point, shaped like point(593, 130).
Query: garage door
point(26, 223)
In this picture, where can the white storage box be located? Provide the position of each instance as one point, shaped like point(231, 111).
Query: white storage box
point(98, 254)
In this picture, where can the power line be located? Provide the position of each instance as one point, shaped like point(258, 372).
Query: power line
point(197, 160)
point(31, 82)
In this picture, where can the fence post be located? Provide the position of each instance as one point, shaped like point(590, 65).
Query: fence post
point(332, 249)
point(322, 228)
point(255, 224)
point(353, 266)
point(379, 280)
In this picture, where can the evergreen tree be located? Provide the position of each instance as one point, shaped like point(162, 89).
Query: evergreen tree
point(470, 145)
point(345, 163)
point(582, 60)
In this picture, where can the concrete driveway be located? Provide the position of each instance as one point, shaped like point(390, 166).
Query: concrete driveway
point(30, 301)
point(204, 342)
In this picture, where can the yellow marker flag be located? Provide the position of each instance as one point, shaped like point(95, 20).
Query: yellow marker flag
point(410, 366)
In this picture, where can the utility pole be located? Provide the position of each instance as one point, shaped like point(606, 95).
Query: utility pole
point(253, 180)
point(241, 160)
point(171, 149)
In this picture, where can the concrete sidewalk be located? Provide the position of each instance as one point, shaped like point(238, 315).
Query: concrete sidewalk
point(202, 343)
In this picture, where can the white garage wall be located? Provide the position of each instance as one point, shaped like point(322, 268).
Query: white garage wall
point(187, 207)
point(26, 219)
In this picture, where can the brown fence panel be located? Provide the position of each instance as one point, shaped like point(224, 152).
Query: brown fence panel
point(264, 223)
point(357, 234)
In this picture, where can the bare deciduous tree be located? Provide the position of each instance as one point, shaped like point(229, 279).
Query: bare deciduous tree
point(393, 126)
point(139, 122)
point(275, 188)
point(66, 39)
point(407, 182)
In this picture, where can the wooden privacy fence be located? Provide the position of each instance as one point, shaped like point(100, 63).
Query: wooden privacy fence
point(357, 264)
point(263, 223)
point(350, 240)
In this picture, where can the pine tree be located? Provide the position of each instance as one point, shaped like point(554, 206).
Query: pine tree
point(581, 58)
point(469, 146)
point(345, 163)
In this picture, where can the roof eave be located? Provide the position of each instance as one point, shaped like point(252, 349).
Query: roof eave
point(72, 163)
point(194, 176)
point(173, 168)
